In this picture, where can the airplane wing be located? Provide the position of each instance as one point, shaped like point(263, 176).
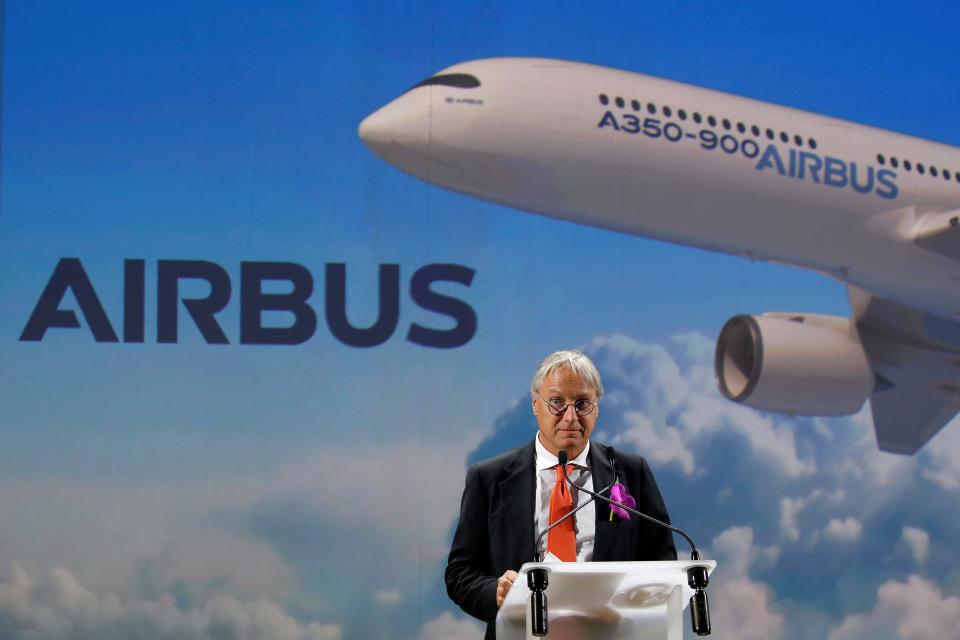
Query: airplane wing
point(939, 232)
point(936, 231)
point(916, 358)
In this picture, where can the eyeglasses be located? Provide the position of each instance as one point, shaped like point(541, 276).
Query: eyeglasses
point(558, 407)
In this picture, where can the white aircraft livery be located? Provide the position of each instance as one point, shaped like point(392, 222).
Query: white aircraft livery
point(660, 159)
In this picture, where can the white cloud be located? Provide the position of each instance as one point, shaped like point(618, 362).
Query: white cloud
point(790, 509)
point(662, 444)
point(737, 551)
point(696, 347)
point(822, 429)
point(859, 459)
point(449, 627)
point(58, 607)
point(248, 541)
point(943, 454)
point(885, 469)
point(770, 440)
point(735, 546)
point(918, 541)
point(388, 597)
point(745, 610)
point(409, 490)
point(911, 610)
point(846, 530)
point(118, 532)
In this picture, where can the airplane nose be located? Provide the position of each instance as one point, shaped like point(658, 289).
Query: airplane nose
point(372, 130)
point(402, 123)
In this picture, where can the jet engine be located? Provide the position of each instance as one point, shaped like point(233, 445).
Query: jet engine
point(804, 364)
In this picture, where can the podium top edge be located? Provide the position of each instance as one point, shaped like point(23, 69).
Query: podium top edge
point(656, 566)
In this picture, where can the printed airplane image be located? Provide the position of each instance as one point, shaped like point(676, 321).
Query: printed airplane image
point(641, 155)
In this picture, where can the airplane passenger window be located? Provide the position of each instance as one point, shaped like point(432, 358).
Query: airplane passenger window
point(907, 165)
point(813, 143)
point(682, 114)
point(697, 118)
point(620, 102)
point(741, 127)
point(458, 80)
point(881, 159)
point(726, 124)
point(667, 111)
point(652, 108)
point(934, 172)
point(798, 141)
point(894, 163)
point(957, 174)
point(712, 121)
point(784, 137)
point(755, 130)
point(770, 134)
point(920, 168)
point(604, 100)
point(635, 104)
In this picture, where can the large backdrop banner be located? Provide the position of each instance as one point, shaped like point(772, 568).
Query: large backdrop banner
point(245, 363)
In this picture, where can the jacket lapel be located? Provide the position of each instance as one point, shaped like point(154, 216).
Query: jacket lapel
point(602, 472)
point(518, 491)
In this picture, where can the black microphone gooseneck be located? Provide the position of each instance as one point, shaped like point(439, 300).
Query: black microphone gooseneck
point(562, 457)
point(537, 578)
point(536, 544)
point(697, 576)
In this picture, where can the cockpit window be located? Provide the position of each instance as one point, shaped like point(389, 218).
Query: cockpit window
point(458, 80)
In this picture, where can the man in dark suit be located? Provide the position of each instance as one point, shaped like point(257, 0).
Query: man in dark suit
point(509, 499)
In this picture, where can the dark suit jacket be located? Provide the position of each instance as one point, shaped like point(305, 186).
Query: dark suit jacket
point(496, 530)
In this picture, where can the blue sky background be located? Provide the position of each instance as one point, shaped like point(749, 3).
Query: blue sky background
point(201, 485)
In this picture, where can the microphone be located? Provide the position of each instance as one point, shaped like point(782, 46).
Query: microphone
point(697, 577)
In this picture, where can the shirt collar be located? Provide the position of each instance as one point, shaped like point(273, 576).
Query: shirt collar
point(546, 460)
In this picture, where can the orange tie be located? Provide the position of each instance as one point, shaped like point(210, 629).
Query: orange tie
point(562, 539)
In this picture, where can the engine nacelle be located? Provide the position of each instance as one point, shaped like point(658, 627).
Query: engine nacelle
point(805, 364)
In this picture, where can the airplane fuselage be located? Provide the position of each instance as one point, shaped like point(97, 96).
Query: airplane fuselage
point(679, 163)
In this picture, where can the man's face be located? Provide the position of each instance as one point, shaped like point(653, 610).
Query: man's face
point(569, 431)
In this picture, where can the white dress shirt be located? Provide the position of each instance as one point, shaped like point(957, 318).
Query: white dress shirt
point(586, 519)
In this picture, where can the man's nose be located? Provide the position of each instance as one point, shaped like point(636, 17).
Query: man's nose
point(570, 413)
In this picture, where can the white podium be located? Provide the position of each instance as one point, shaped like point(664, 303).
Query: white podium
point(608, 600)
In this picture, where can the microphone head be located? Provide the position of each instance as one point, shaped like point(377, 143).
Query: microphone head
point(562, 457)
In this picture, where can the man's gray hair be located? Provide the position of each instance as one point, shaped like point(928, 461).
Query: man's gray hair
point(573, 359)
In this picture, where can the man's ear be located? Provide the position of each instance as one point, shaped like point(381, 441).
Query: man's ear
point(533, 403)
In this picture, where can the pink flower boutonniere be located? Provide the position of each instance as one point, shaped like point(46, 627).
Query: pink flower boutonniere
point(619, 493)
